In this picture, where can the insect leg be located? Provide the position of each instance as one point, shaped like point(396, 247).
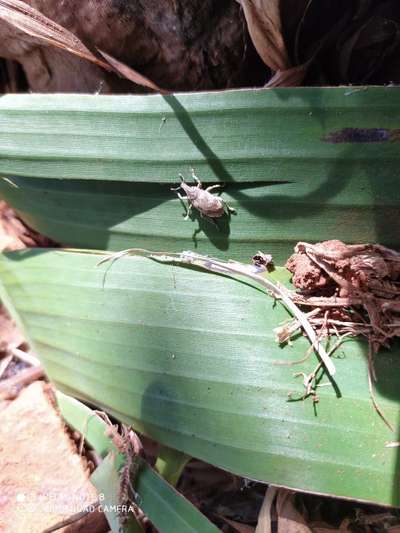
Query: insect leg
point(187, 208)
point(213, 187)
point(188, 211)
point(199, 184)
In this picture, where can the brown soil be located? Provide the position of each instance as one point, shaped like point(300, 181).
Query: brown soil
point(306, 275)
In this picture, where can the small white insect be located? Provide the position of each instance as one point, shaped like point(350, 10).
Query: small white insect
point(207, 204)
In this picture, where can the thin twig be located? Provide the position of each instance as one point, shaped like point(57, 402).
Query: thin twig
point(377, 407)
point(280, 362)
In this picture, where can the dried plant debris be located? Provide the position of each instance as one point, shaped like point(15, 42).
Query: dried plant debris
point(347, 290)
point(324, 42)
point(223, 497)
point(197, 45)
point(285, 511)
point(353, 289)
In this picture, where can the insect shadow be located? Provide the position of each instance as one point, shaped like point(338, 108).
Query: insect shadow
point(216, 230)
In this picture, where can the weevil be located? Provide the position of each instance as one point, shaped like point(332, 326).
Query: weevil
point(207, 204)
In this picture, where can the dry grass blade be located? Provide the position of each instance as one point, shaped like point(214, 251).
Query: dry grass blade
point(290, 519)
point(34, 23)
point(264, 23)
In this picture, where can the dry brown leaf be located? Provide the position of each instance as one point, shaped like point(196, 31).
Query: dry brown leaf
point(241, 528)
point(292, 515)
point(130, 74)
point(290, 519)
point(327, 529)
point(264, 23)
point(264, 523)
point(263, 19)
point(34, 23)
point(292, 77)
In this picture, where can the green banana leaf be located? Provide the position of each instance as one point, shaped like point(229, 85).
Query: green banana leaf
point(298, 164)
point(166, 508)
point(189, 358)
